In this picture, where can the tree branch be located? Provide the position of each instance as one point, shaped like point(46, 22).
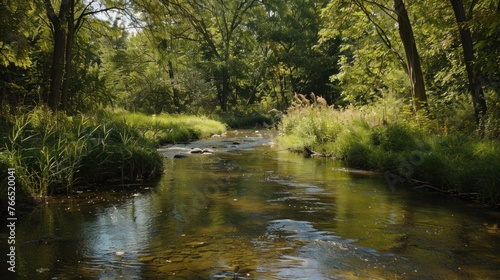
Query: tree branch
point(383, 35)
point(386, 10)
point(51, 14)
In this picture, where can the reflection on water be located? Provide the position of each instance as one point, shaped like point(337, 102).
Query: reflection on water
point(252, 212)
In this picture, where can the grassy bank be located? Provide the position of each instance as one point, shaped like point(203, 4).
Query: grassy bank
point(428, 153)
point(56, 153)
point(164, 129)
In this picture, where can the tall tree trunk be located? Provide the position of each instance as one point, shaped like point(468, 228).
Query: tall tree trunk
point(412, 57)
point(475, 87)
point(58, 56)
point(225, 89)
point(70, 38)
point(57, 68)
point(174, 88)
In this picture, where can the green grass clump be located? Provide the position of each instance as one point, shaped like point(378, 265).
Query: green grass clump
point(53, 153)
point(165, 128)
point(386, 138)
point(120, 154)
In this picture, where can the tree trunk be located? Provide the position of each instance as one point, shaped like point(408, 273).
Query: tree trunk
point(174, 88)
point(70, 38)
point(413, 60)
point(225, 89)
point(58, 56)
point(57, 68)
point(475, 87)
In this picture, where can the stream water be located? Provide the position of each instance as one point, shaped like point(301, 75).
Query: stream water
point(249, 211)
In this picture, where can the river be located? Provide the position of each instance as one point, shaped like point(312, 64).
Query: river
point(247, 210)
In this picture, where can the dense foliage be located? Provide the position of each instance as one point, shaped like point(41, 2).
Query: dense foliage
point(163, 56)
point(194, 56)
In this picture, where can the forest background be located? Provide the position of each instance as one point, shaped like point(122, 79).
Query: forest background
point(408, 88)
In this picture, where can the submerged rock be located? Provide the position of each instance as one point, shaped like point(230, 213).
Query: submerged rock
point(146, 258)
point(180, 156)
point(197, 244)
point(196, 151)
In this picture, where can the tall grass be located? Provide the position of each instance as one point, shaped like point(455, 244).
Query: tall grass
point(54, 153)
point(165, 128)
point(389, 138)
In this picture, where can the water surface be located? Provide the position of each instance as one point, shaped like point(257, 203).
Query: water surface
point(249, 211)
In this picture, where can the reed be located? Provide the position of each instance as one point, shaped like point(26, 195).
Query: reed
point(54, 153)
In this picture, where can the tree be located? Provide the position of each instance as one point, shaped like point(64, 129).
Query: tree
point(64, 25)
point(296, 64)
point(216, 25)
point(475, 86)
point(60, 30)
point(367, 29)
point(414, 70)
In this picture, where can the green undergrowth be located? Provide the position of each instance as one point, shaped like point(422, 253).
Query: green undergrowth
point(406, 147)
point(165, 129)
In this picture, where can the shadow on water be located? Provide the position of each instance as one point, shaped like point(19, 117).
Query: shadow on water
point(248, 211)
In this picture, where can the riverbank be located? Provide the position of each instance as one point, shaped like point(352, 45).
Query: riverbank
point(55, 153)
point(418, 151)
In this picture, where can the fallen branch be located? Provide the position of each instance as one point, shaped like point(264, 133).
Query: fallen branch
point(310, 153)
point(432, 187)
